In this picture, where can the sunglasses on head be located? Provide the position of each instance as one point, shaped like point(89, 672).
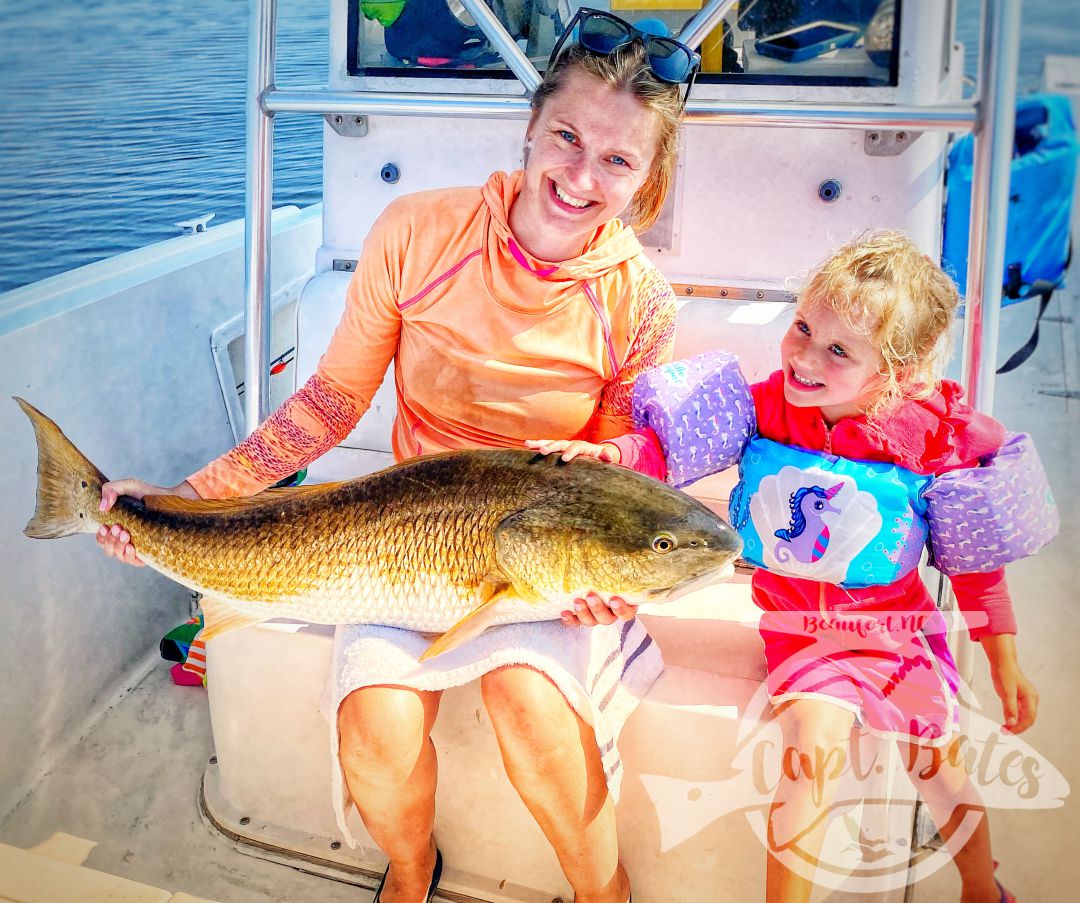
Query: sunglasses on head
point(602, 33)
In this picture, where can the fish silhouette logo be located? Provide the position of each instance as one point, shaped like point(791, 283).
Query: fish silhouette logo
point(868, 840)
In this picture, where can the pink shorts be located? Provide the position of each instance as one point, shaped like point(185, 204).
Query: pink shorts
point(894, 670)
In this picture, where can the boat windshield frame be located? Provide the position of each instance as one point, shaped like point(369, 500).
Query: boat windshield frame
point(989, 115)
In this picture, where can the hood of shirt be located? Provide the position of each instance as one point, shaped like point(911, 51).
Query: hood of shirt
point(610, 246)
point(929, 435)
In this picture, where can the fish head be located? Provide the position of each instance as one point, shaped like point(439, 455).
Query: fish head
point(609, 529)
point(661, 546)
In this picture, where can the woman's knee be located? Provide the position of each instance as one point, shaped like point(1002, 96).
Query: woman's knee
point(517, 691)
point(384, 730)
point(527, 708)
point(549, 752)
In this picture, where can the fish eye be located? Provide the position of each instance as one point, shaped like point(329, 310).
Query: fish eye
point(663, 543)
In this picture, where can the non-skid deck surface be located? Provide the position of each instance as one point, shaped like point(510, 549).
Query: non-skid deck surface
point(132, 784)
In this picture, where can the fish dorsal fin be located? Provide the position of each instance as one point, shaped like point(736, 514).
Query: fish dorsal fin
point(219, 618)
point(174, 504)
point(476, 621)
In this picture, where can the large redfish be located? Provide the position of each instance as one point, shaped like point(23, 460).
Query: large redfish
point(455, 542)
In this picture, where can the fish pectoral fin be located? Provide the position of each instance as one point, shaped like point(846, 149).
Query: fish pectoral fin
point(492, 585)
point(472, 625)
point(219, 618)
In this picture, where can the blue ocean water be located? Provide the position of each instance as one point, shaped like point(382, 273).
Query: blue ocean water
point(1048, 27)
point(119, 118)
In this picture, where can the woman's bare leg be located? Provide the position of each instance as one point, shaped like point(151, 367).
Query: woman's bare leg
point(551, 759)
point(391, 771)
point(943, 783)
point(817, 738)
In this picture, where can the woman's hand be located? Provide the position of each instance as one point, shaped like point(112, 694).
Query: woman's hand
point(571, 448)
point(114, 540)
point(1019, 698)
point(594, 609)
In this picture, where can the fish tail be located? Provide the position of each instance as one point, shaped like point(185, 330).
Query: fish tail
point(67, 482)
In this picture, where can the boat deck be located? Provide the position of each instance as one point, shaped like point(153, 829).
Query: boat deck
point(131, 782)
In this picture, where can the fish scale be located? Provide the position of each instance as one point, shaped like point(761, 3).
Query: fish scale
point(453, 542)
point(351, 559)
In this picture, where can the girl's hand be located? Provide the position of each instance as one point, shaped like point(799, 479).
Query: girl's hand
point(1019, 698)
point(571, 448)
point(594, 609)
point(114, 540)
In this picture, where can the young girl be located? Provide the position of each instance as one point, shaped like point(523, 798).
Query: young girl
point(858, 381)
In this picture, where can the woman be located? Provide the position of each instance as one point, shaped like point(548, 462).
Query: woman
point(523, 308)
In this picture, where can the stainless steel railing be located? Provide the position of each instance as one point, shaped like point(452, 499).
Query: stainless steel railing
point(258, 205)
point(956, 117)
point(999, 58)
point(991, 117)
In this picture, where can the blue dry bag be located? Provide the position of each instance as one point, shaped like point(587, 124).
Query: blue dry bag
point(1037, 241)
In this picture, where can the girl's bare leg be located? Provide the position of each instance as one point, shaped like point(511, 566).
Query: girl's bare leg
point(953, 801)
point(391, 771)
point(817, 738)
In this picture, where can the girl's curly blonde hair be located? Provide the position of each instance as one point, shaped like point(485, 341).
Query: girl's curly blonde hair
point(886, 288)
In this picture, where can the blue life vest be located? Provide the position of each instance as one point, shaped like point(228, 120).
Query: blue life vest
point(826, 518)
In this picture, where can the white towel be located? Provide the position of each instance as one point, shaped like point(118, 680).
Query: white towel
point(603, 672)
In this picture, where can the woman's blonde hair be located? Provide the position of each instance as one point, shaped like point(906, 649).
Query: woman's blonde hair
point(886, 288)
point(626, 69)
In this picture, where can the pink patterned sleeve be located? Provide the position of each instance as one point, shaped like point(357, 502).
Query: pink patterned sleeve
point(324, 411)
point(985, 603)
point(652, 325)
point(307, 425)
point(641, 451)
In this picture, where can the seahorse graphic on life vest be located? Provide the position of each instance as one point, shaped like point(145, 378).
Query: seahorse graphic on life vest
point(807, 536)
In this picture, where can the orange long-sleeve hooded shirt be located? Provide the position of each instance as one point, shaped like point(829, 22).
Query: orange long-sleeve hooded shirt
point(490, 346)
